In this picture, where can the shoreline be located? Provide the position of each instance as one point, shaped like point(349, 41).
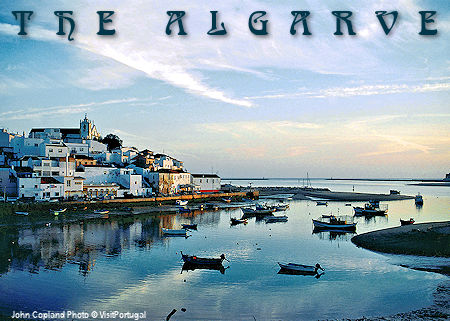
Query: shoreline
point(325, 194)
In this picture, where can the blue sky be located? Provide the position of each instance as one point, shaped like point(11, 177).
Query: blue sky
point(276, 106)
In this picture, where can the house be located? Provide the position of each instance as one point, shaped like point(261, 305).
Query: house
point(8, 182)
point(73, 186)
point(104, 190)
point(84, 160)
point(168, 181)
point(206, 183)
point(78, 148)
point(40, 188)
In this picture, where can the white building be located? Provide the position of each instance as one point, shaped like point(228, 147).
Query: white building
point(78, 148)
point(206, 183)
point(40, 188)
point(169, 182)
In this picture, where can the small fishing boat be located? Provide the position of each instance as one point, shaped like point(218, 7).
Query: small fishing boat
point(101, 212)
point(57, 212)
point(189, 226)
point(235, 221)
point(226, 200)
point(260, 210)
point(274, 219)
point(201, 260)
point(418, 199)
point(407, 222)
point(336, 223)
point(304, 269)
point(280, 207)
point(321, 203)
point(167, 231)
point(371, 209)
point(22, 213)
point(181, 202)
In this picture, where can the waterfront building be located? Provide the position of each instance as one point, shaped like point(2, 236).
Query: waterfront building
point(8, 182)
point(103, 190)
point(206, 183)
point(40, 188)
point(168, 181)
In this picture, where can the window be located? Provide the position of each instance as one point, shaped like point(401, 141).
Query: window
point(36, 145)
point(59, 150)
point(68, 183)
point(46, 164)
point(22, 186)
point(81, 149)
point(57, 194)
point(35, 186)
point(55, 173)
point(51, 150)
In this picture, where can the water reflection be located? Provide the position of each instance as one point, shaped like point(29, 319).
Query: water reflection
point(214, 267)
point(333, 235)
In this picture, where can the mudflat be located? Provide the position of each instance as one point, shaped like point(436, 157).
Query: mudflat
point(426, 239)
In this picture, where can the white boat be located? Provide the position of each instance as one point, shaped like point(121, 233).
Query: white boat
point(22, 213)
point(181, 202)
point(272, 219)
point(322, 203)
point(419, 199)
point(261, 211)
point(306, 269)
point(280, 207)
point(371, 209)
point(335, 223)
point(167, 231)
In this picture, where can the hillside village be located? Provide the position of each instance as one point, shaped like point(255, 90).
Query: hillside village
point(78, 164)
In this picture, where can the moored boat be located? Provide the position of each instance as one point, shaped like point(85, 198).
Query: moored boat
point(202, 260)
point(167, 231)
point(184, 210)
point(280, 207)
point(371, 209)
point(226, 200)
point(407, 222)
point(181, 202)
point(321, 203)
point(187, 266)
point(418, 199)
point(304, 269)
point(336, 223)
point(22, 213)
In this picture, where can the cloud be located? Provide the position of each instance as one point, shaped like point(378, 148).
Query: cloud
point(140, 43)
point(366, 90)
point(45, 111)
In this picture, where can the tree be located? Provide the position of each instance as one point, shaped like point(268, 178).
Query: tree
point(112, 141)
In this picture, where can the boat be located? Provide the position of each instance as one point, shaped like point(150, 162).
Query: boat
point(201, 260)
point(303, 269)
point(418, 199)
point(260, 210)
point(236, 221)
point(181, 202)
point(335, 223)
point(394, 192)
point(407, 222)
point(321, 203)
point(371, 208)
point(189, 226)
point(101, 212)
point(280, 207)
point(348, 204)
point(22, 213)
point(167, 231)
point(273, 219)
point(184, 210)
point(226, 200)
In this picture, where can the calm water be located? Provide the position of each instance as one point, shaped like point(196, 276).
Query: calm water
point(126, 265)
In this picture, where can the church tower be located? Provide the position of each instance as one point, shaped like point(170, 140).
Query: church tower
point(87, 129)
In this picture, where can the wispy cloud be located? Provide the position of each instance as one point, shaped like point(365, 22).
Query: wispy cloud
point(366, 90)
point(45, 111)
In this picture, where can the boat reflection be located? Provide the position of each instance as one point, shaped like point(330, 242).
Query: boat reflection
point(187, 266)
point(333, 234)
point(292, 272)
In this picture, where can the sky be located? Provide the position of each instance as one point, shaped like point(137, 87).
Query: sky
point(279, 105)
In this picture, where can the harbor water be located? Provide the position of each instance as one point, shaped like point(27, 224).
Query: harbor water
point(126, 264)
